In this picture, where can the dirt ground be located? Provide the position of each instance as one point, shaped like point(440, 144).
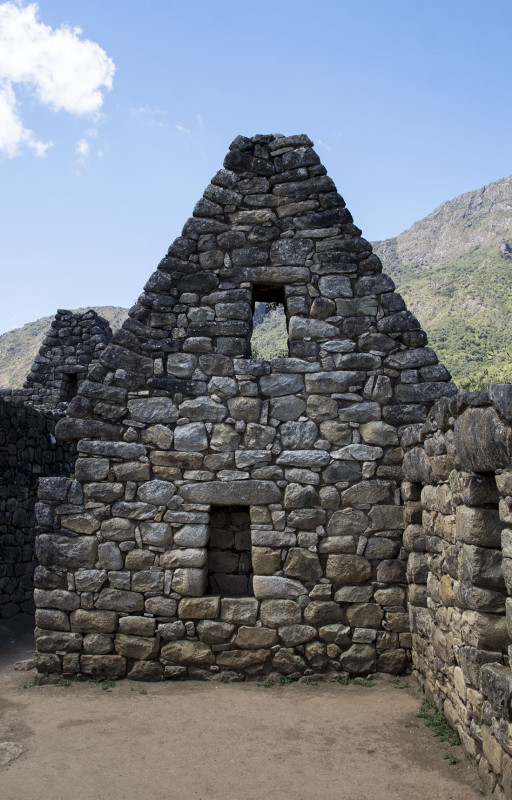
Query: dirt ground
point(215, 741)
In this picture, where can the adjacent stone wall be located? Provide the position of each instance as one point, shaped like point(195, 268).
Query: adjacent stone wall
point(458, 485)
point(74, 341)
point(178, 420)
point(28, 447)
point(28, 450)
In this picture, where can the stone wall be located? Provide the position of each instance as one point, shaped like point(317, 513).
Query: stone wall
point(73, 342)
point(178, 427)
point(28, 450)
point(28, 447)
point(458, 485)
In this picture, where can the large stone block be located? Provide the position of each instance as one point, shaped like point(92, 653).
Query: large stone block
point(188, 653)
point(345, 569)
point(73, 552)
point(139, 647)
point(359, 659)
point(478, 526)
point(270, 586)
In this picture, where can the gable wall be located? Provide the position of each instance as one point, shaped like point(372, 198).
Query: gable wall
point(177, 419)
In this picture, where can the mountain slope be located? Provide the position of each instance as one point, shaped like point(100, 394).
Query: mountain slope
point(454, 270)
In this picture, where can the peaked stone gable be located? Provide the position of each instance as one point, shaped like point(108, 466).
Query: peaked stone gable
point(72, 343)
point(231, 513)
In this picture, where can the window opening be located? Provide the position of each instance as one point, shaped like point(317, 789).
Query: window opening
point(229, 552)
point(269, 330)
point(69, 386)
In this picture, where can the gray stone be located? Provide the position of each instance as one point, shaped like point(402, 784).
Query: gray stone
point(292, 635)
point(186, 652)
point(153, 410)
point(267, 586)
point(247, 492)
point(191, 437)
point(277, 613)
point(189, 581)
point(347, 569)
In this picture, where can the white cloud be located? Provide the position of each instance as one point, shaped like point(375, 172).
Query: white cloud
point(83, 148)
point(182, 128)
point(63, 71)
point(200, 120)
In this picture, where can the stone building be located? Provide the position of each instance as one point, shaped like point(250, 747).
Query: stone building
point(28, 446)
point(231, 516)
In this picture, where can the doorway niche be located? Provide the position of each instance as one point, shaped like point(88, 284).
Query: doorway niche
point(229, 552)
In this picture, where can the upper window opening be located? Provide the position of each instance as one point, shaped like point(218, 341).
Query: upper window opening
point(269, 330)
point(69, 386)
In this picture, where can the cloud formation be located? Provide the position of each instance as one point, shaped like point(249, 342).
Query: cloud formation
point(62, 70)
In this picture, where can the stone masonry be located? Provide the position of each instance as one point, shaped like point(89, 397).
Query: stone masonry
point(458, 492)
point(29, 449)
point(231, 516)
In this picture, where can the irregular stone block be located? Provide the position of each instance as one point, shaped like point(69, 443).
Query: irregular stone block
point(188, 652)
point(73, 552)
point(153, 410)
point(478, 526)
point(214, 632)
point(254, 638)
point(104, 666)
point(485, 631)
point(189, 581)
point(323, 612)
point(199, 608)
point(276, 613)
point(286, 661)
point(248, 492)
point(302, 564)
point(347, 569)
point(358, 659)
point(139, 647)
point(119, 600)
point(243, 659)
point(365, 615)
point(483, 442)
point(267, 586)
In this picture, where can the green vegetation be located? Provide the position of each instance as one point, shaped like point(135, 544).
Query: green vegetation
point(434, 719)
point(269, 338)
point(266, 684)
point(355, 681)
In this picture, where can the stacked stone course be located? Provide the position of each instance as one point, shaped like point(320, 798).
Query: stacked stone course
point(178, 427)
point(29, 449)
point(458, 487)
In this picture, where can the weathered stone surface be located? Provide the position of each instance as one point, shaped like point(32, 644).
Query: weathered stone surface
point(139, 647)
point(267, 586)
point(254, 638)
point(63, 551)
point(243, 659)
point(302, 564)
point(153, 410)
point(292, 635)
point(187, 652)
point(365, 615)
point(118, 600)
point(103, 666)
point(240, 493)
point(240, 611)
point(213, 632)
point(482, 441)
point(286, 661)
point(323, 612)
point(347, 569)
point(199, 608)
point(478, 526)
point(277, 613)
point(190, 582)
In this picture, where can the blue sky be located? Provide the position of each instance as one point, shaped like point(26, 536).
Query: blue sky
point(408, 104)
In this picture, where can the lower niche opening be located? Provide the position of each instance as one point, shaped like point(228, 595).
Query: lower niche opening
point(69, 386)
point(229, 552)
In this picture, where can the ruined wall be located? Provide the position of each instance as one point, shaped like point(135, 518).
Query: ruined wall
point(29, 449)
point(232, 515)
point(74, 341)
point(458, 482)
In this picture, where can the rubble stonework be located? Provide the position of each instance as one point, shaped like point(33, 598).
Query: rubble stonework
point(73, 342)
point(230, 516)
point(458, 488)
point(29, 449)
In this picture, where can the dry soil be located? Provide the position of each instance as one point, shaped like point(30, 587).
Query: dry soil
point(215, 741)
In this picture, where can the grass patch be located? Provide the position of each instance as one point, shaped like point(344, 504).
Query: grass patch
point(284, 680)
point(64, 682)
point(266, 684)
point(399, 685)
point(355, 681)
point(434, 719)
point(452, 760)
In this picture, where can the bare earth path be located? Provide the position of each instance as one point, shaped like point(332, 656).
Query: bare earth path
point(215, 741)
